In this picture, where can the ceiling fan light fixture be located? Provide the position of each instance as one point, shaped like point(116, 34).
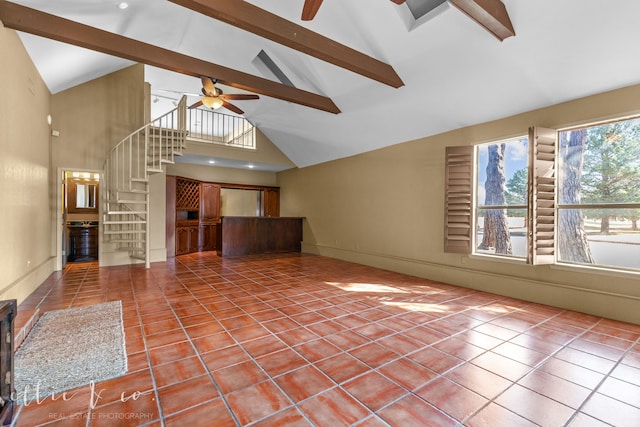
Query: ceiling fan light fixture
point(212, 102)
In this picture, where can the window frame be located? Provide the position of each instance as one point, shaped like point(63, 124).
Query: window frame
point(539, 165)
point(477, 206)
point(605, 268)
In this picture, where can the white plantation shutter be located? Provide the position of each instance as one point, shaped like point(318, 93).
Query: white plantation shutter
point(542, 195)
point(458, 199)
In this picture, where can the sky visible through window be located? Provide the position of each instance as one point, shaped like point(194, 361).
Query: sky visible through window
point(515, 158)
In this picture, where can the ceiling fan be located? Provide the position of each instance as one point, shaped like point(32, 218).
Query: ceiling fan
point(311, 7)
point(214, 98)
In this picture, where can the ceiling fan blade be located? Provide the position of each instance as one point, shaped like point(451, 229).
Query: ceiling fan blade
point(208, 88)
point(310, 9)
point(232, 107)
point(239, 97)
point(196, 105)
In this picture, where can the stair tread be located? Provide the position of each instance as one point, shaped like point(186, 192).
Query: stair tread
point(130, 249)
point(126, 212)
point(124, 201)
point(134, 191)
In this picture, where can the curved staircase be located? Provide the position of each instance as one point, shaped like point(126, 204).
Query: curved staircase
point(125, 194)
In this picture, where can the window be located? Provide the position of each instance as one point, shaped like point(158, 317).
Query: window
point(501, 198)
point(599, 195)
point(553, 197)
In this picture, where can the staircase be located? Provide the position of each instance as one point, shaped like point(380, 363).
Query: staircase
point(125, 190)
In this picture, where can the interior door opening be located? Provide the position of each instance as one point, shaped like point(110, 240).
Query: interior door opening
point(80, 216)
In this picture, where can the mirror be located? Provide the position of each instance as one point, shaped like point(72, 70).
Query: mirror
point(85, 196)
point(82, 196)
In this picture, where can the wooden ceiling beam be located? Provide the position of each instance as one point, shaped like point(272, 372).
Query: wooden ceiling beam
point(42, 24)
point(491, 14)
point(265, 24)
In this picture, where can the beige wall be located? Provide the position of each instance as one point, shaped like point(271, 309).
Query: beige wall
point(265, 152)
point(225, 175)
point(385, 208)
point(94, 116)
point(26, 219)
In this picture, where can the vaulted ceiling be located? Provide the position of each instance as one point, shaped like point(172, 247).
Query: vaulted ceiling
point(453, 72)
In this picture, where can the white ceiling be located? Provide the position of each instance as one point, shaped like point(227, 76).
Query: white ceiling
point(455, 72)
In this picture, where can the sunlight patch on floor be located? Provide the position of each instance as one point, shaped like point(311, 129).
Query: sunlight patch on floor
point(419, 306)
point(366, 287)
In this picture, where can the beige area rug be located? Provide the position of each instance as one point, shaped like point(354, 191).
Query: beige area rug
point(70, 348)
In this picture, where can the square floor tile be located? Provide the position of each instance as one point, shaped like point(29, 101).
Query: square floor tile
point(178, 396)
point(257, 402)
point(202, 416)
point(304, 382)
point(479, 380)
point(342, 367)
point(611, 411)
point(412, 411)
point(496, 415)
point(280, 362)
point(457, 401)
point(501, 365)
point(374, 390)
point(334, 408)
point(535, 407)
point(239, 376)
point(407, 373)
point(556, 388)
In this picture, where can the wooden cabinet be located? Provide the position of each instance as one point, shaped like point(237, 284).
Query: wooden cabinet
point(83, 243)
point(258, 235)
point(182, 240)
point(187, 237)
point(209, 202)
point(193, 212)
point(208, 237)
point(209, 215)
point(271, 202)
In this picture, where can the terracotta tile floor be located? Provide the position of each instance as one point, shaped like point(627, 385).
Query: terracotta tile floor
point(307, 340)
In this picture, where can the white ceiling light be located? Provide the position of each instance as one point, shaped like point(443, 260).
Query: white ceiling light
point(123, 5)
point(212, 102)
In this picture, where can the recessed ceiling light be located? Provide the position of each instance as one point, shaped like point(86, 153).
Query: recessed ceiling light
point(123, 5)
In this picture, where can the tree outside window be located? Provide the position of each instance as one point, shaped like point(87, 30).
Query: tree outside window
point(599, 195)
point(501, 198)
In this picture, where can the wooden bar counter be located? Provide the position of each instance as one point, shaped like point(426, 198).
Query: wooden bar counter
point(247, 235)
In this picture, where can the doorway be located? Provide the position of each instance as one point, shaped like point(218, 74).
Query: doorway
point(79, 216)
